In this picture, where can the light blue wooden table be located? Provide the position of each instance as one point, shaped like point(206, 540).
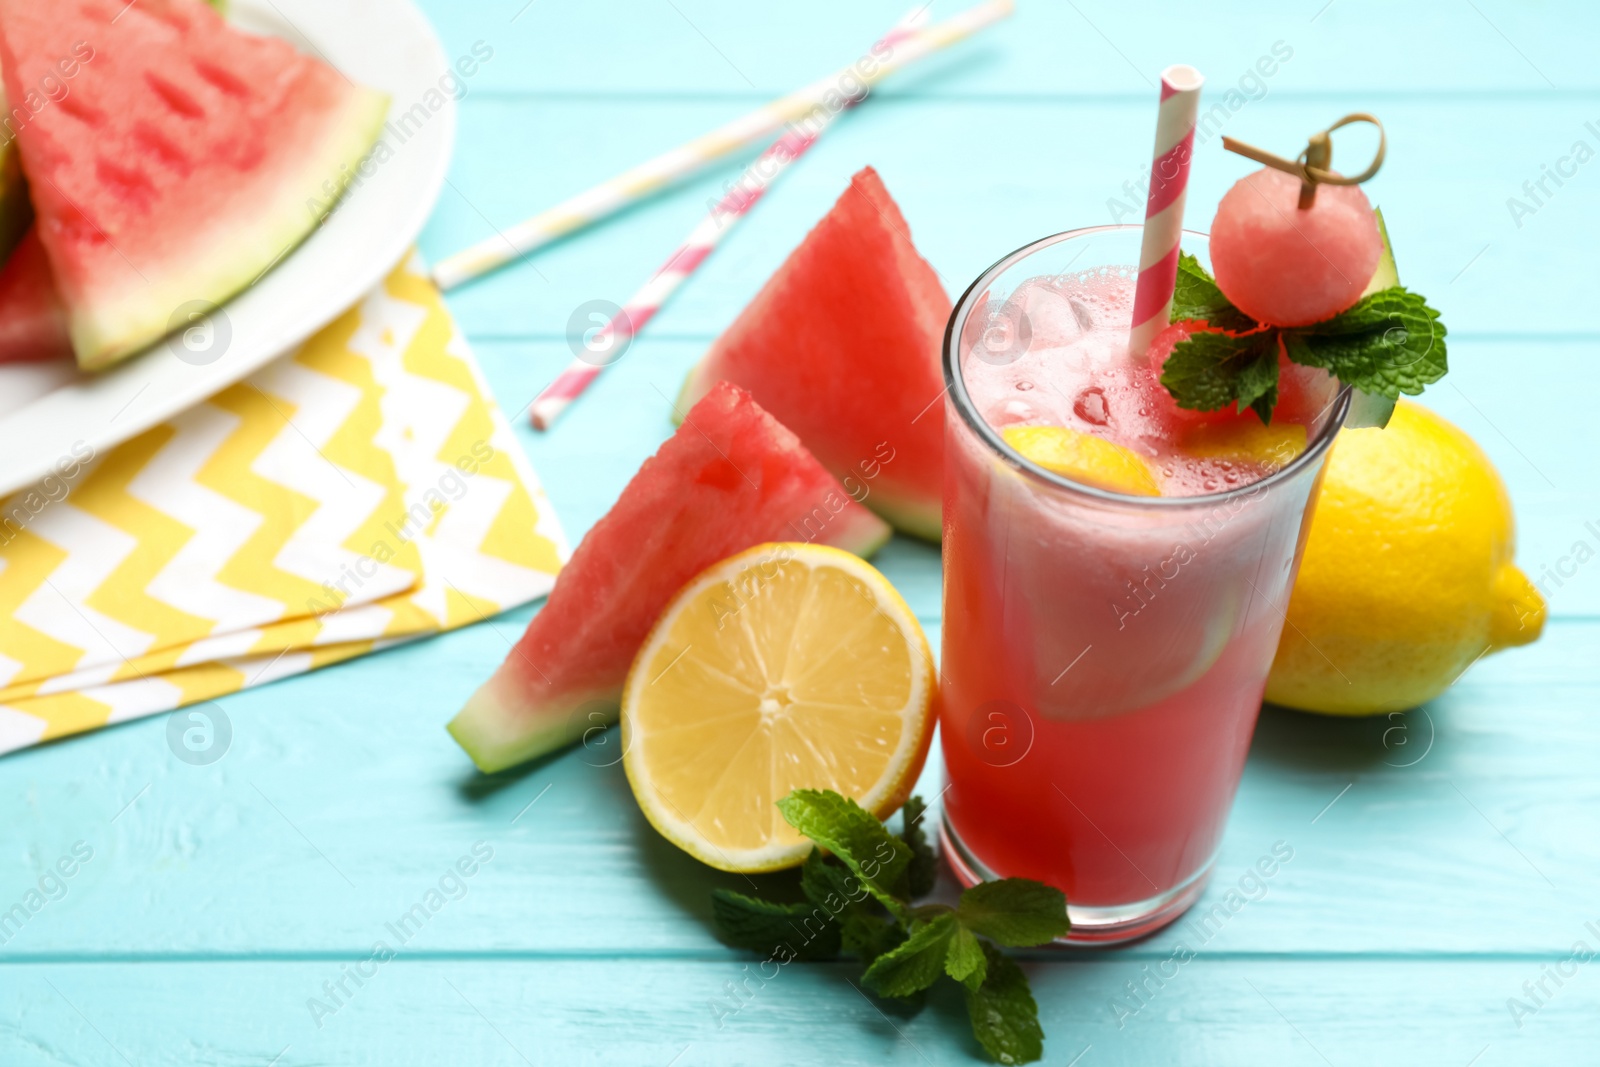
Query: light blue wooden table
point(1442, 860)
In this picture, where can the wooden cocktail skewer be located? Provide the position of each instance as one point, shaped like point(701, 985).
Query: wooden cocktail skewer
point(1312, 165)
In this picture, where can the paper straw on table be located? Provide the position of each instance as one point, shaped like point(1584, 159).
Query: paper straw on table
point(1163, 212)
point(610, 341)
point(633, 185)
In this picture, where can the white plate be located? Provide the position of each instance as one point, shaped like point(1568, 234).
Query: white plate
point(49, 413)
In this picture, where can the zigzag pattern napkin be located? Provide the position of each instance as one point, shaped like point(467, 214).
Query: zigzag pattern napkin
point(362, 491)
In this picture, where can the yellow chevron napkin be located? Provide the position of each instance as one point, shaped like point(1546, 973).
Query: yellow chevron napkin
point(362, 491)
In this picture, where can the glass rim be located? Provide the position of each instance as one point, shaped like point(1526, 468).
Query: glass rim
point(956, 388)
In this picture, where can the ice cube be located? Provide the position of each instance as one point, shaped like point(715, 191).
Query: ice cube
point(1048, 315)
point(1083, 313)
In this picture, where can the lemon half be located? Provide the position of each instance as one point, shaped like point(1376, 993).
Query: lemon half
point(788, 666)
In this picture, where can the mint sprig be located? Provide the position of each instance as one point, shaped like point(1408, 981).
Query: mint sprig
point(859, 899)
point(1390, 342)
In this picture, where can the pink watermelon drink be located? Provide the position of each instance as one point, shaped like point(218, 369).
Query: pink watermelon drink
point(1104, 653)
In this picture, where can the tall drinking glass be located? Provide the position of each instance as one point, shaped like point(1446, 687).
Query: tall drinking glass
point(1104, 654)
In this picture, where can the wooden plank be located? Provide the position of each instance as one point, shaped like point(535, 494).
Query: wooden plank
point(423, 1008)
point(1092, 49)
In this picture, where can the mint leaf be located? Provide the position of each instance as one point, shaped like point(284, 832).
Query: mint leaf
point(853, 834)
point(923, 870)
point(1258, 382)
point(964, 960)
point(791, 931)
point(1015, 911)
point(827, 883)
point(1197, 297)
point(1389, 343)
point(1209, 371)
point(869, 936)
point(1005, 1019)
point(914, 965)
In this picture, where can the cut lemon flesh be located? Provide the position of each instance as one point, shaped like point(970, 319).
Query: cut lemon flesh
point(787, 666)
point(1269, 447)
point(1084, 457)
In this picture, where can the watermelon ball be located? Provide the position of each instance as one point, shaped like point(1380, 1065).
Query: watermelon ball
point(1290, 267)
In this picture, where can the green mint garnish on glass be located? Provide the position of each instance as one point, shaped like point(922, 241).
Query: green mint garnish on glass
point(860, 897)
point(1389, 342)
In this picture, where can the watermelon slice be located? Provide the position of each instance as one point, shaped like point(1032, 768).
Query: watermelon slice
point(730, 478)
point(842, 345)
point(185, 159)
point(33, 324)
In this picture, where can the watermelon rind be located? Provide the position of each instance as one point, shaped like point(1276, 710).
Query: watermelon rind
point(496, 736)
point(217, 270)
point(492, 730)
point(917, 519)
point(1374, 409)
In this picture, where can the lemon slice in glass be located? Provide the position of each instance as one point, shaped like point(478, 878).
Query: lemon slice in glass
point(1084, 457)
point(1247, 441)
point(787, 666)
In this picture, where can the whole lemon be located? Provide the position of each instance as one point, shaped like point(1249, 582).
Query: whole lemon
point(1407, 578)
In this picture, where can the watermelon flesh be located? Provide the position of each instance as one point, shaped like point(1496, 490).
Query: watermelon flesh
point(33, 324)
point(842, 345)
point(185, 159)
point(731, 477)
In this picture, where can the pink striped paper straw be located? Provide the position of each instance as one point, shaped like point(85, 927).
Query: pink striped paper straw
point(702, 240)
point(606, 199)
point(1163, 212)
